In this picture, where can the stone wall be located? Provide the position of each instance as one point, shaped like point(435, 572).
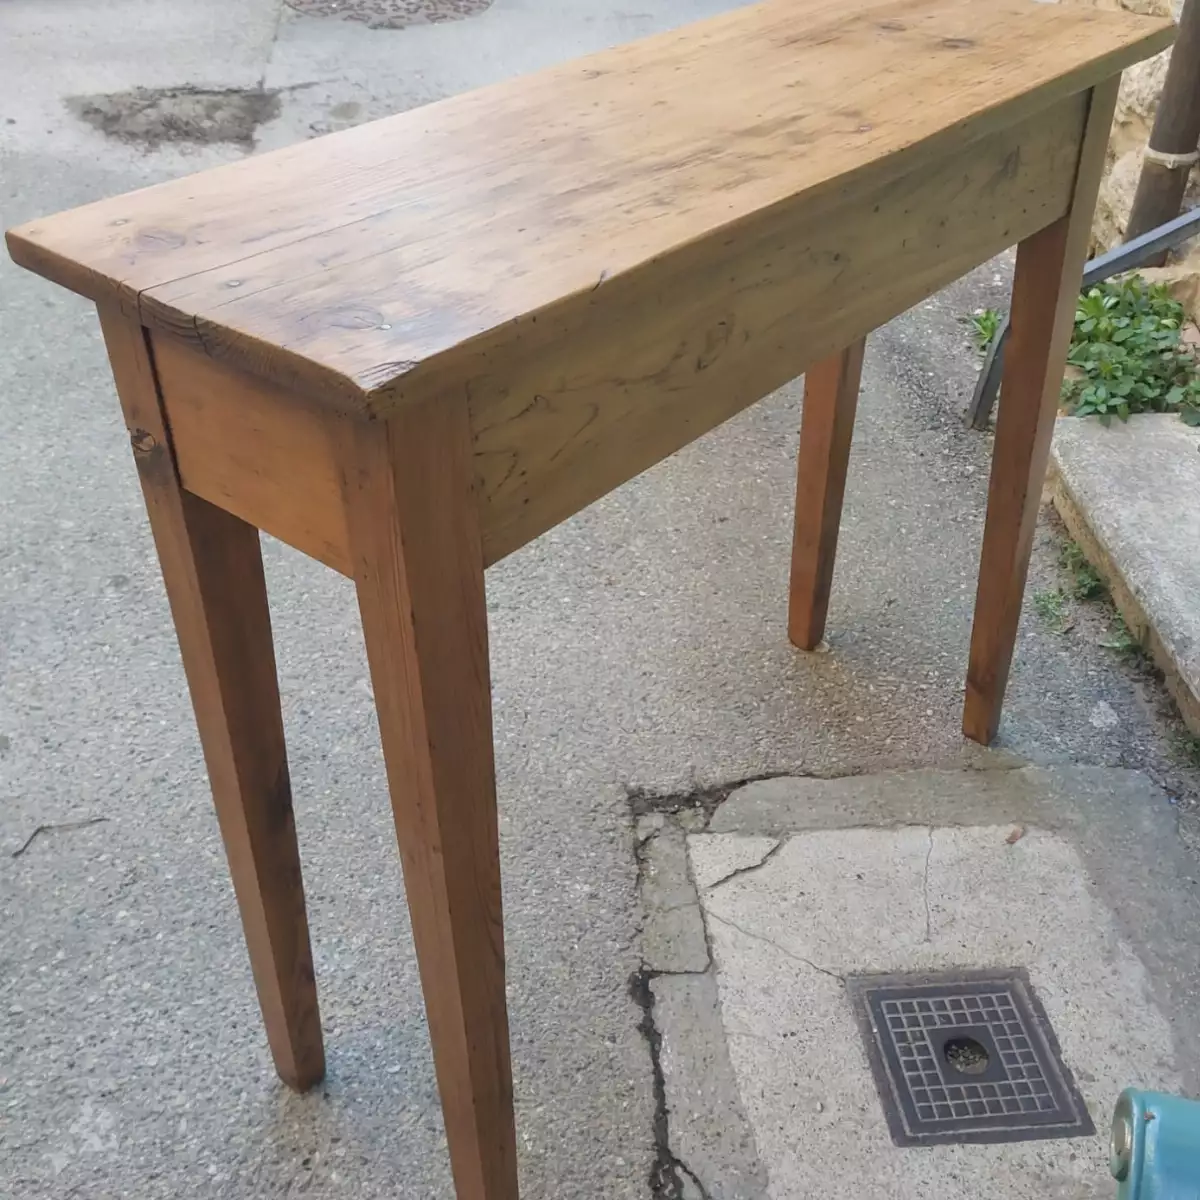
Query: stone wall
point(1136, 106)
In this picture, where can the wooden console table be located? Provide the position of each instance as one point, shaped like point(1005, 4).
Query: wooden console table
point(409, 348)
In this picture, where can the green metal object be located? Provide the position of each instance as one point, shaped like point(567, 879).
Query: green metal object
point(1155, 1148)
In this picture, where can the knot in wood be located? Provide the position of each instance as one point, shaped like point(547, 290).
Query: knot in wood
point(143, 441)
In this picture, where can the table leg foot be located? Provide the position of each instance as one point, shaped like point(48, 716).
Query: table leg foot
point(418, 565)
point(212, 566)
point(826, 428)
point(1049, 268)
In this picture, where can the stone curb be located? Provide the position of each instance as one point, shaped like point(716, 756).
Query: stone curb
point(1149, 617)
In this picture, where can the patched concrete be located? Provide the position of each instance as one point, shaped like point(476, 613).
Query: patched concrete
point(392, 14)
point(1130, 494)
point(194, 116)
point(827, 899)
point(673, 938)
point(710, 1138)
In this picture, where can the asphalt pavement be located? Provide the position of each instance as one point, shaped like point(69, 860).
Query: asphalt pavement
point(638, 651)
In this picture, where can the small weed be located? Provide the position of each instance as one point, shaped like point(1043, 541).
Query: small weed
point(1051, 605)
point(1187, 746)
point(983, 322)
point(1128, 356)
point(1122, 640)
point(1086, 583)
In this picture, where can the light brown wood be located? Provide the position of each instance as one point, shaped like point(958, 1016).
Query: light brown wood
point(652, 368)
point(328, 267)
point(656, 362)
point(1049, 268)
point(826, 428)
point(212, 567)
point(254, 450)
point(409, 348)
point(418, 565)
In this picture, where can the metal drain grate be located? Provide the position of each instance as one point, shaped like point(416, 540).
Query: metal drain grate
point(965, 1057)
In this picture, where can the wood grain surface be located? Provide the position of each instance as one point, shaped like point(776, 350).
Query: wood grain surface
point(418, 568)
point(357, 266)
point(213, 570)
point(826, 430)
point(662, 361)
point(1045, 289)
point(253, 449)
point(669, 354)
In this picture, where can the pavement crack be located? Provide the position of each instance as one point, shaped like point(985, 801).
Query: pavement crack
point(925, 889)
point(705, 1194)
point(270, 58)
point(60, 827)
point(706, 801)
point(665, 1183)
point(746, 870)
point(758, 937)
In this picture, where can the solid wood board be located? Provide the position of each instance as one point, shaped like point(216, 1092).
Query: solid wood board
point(355, 266)
point(615, 390)
point(212, 567)
point(1045, 290)
point(826, 430)
point(621, 386)
point(418, 568)
point(251, 448)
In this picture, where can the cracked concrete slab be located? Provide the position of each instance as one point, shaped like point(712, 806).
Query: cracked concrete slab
point(1124, 827)
point(804, 881)
point(710, 1136)
point(1130, 494)
point(673, 938)
point(705, 1147)
point(749, 854)
point(836, 902)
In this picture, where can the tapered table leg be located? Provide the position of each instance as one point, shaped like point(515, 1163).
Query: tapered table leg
point(212, 566)
point(1049, 269)
point(418, 565)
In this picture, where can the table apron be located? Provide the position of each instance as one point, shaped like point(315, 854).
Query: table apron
point(613, 382)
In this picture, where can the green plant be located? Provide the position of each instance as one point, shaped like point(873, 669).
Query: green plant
point(1051, 605)
point(983, 322)
point(1187, 746)
point(1127, 354)
point(1086, 583)
point(1122, 640)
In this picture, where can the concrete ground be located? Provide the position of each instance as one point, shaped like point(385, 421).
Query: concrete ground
point(1130, 493)
point(757, 912)
point(639, 664)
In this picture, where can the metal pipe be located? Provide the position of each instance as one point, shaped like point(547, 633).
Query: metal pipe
point(1171, 154)
point(1154, 1151)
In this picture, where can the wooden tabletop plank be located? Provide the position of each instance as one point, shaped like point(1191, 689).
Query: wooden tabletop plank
point(344, 264)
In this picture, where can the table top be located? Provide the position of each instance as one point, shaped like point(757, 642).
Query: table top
point(348, 263)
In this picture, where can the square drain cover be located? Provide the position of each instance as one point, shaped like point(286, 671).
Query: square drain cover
point(967, 1056)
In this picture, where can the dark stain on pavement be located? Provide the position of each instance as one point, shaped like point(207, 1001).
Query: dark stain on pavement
point(152, 117)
